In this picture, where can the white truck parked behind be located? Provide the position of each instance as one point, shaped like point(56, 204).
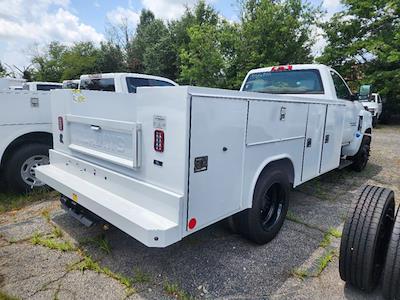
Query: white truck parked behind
point(25, 128)
point(8, 83)
point(121, 82)
point(374, 105)
point(176, 160)
point(41, 86)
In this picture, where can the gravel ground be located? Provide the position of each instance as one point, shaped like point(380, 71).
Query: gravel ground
point(105, 263)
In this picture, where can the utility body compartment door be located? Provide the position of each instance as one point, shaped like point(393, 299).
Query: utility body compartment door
point(313, 141)
point(217, 141)
point(332, 141)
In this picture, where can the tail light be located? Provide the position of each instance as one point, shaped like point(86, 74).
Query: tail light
point(60, 123)
point(159, 140)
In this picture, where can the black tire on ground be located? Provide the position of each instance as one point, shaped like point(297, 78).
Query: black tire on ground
point(360, 160)
point(374, 121)
point(27, 155)
point(263, 221)
point(391, 273)
point(366, 236)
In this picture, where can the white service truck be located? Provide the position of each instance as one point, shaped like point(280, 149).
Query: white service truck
point(178, 159)
point(8, 83)
point(25, 127)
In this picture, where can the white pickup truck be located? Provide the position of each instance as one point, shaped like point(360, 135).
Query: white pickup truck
point(25, 127)
point(374, 105)
point(178, 159)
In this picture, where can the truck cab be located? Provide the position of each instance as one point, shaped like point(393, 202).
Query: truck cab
point(374, 105)
point(319, 82)
point(121, 82)
point(71, 84)
point(41, 86)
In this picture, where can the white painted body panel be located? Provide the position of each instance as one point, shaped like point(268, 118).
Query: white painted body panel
point(154, 199)
point(23, 112)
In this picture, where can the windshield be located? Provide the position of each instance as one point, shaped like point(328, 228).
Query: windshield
point(285, 82)
point(98, 84)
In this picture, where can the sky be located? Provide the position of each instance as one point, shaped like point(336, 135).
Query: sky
point(28, 25)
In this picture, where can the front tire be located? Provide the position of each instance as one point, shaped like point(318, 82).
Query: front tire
point(20, 167)
point(263, 221)
point(360, 160)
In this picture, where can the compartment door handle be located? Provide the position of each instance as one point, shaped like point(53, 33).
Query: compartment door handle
point(95, 127)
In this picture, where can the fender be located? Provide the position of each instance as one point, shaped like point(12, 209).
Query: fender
point(285, 156)
point(8, 136)
point(364, 129)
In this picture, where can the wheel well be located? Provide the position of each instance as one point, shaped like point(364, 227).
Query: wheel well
point(32, 137)
point(283, 164)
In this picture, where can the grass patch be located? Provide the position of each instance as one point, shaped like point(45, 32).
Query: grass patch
point(88, 263)
point(46, 215)
point(327, 239)
point(100, 241)
point(4, 296)
point(140, 277)
point(174, 290)
point(57, 232)
point(320, 266)
point(51, 243)
point(10, 201)
point(292, 217)
point(324, 261)
point(300, 273)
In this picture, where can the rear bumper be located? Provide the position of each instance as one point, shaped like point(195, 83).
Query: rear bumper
point(126, 212)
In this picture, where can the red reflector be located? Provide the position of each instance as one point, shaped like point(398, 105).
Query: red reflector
point(192, 223)
point(159, 140)
point(282, 68)
point(60, 123)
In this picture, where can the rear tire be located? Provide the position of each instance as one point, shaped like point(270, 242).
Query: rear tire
point(360, 160)
point(263, 221)
point(20, 167)
point(366, 236)
point(391, 273)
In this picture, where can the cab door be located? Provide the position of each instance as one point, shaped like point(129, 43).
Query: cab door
point(352, 109)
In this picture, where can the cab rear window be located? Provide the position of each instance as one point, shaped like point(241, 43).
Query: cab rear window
point(285, 82)
point(98, 84)
point(47, 87)
point(134, 83)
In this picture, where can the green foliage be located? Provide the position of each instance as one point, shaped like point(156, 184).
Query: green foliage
point(200, 48)
point(3, 70)
point(51, 242)
point(364, 44)
point(9, 201)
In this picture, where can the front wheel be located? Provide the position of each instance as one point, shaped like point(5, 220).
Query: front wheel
point(360, 160)
point(263, 221)
point(20, 168)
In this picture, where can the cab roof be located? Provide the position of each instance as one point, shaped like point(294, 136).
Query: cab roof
point(124, 75)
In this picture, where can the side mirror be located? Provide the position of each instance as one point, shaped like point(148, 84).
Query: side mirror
point(354, 97)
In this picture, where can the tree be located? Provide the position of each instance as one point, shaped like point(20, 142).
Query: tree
point(81, 58)
point(3, 71)
point(49, 66)
point(274, 33)
point(367, 34)
point(110, 58)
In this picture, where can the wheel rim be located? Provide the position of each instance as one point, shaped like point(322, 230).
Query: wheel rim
point(272, 207)
point(28, 170)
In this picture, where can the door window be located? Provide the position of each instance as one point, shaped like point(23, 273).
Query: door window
point(342, 91)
